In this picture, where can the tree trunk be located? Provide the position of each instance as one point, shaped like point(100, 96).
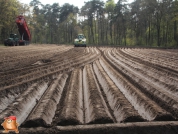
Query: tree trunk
point(149, 34)
point(175, 32)
point(158, 30)
point(111, 33)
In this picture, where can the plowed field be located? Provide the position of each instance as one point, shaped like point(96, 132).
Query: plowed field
point(63, 89)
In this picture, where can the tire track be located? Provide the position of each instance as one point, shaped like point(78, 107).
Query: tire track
point(165, 82)
point(159, 66)
point(8, 98)
point(122, 109)
point(95, 109)
point(23, 105)
point(9, 63)
point(79, 87)
point(147, 108)
point(44, 112)
point(76, 62)
point(10, 75)
point(72, 114)
point(155, 57)
point(146, 84)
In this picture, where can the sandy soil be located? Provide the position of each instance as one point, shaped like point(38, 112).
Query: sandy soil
point(63, 89)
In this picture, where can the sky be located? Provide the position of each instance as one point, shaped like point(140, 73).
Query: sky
point(78, 3)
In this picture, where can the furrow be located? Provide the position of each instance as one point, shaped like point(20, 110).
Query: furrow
point(9, 95)
point(54, 58)
point(155, 58)
point(170, 71)
point(147, 108)
point(95, 109)
point(147, 84)
point(44, 112)
point(10, 64)
point(166, 100)
point(21, 85)
point(62, 61)
point(75, 63)
point(23, 105)
point(168, 84)
point(122, 109)
point(71, 110)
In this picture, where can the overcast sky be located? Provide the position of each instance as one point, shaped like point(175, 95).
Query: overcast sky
point(78, 3)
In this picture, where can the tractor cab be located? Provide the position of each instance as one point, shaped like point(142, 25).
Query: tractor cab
point(80, 40)
point(12, 40)
point(13, 36)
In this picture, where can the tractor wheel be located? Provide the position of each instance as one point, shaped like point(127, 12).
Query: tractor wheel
point(13, 44)
point(5, 44)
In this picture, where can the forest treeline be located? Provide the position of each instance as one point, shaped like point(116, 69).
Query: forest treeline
point(141, 23)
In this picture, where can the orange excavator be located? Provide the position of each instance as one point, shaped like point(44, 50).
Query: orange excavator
point(24, 32)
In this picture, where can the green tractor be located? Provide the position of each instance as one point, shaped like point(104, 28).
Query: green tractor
point(13, 40)
point(80, 41)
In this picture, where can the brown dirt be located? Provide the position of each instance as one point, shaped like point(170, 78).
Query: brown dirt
point(62, 89)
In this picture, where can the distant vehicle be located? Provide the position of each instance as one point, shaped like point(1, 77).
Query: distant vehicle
point(13, 40)
point(80, 41)
point(24, 32)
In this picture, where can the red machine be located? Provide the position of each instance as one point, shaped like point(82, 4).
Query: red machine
point(23, 30)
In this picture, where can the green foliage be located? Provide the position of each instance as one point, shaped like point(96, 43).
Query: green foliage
point(9, 11)
point(142, 22)
point(109, 6)
point(53, 24)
